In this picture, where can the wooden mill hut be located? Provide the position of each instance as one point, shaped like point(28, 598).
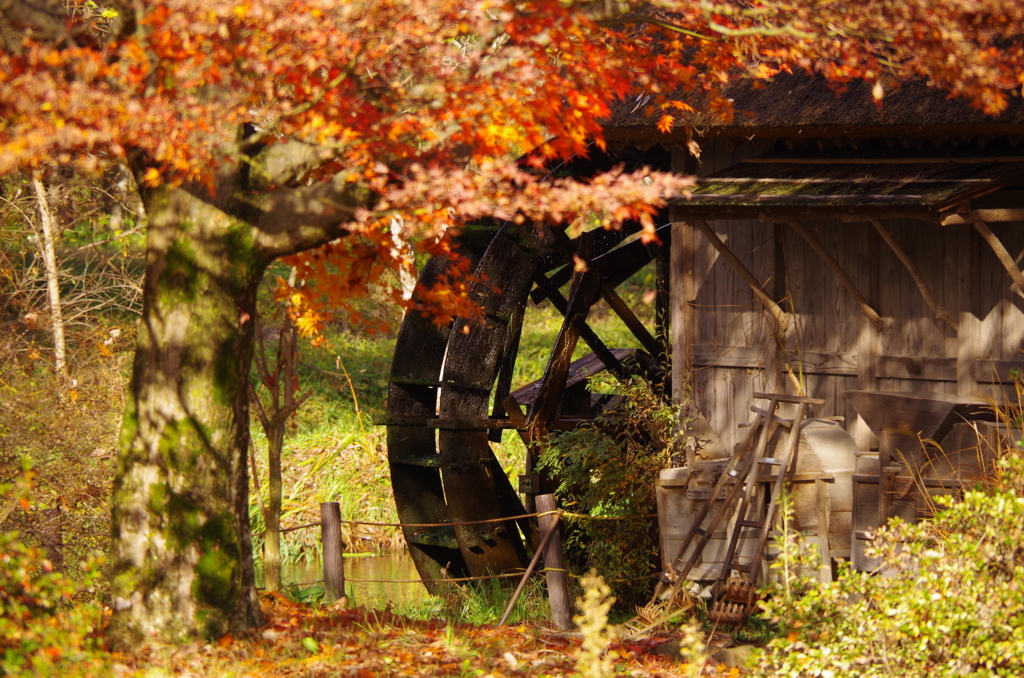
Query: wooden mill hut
point(862, 256)
point(867, 254)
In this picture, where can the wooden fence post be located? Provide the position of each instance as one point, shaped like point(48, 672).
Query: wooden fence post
point(554, 565)
point(334, 550)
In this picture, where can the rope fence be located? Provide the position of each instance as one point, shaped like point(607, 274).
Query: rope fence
point(564, 514)
point(453, 580)
point(549, 547)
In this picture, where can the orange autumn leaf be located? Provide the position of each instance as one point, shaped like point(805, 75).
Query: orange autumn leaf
point(151, 177)
point(173, 101)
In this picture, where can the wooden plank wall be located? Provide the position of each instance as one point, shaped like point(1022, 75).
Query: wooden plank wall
point(723, 344)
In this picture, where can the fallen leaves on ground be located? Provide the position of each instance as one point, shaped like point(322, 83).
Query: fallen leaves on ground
point(302, 641)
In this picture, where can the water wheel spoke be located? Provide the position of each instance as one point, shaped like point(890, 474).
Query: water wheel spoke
point(451, 392)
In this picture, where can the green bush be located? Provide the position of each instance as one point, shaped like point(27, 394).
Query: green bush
point(42, 633)
point(948, 599)
point(607, 472)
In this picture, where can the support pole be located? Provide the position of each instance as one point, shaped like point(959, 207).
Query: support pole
point(839, 272)
point(781, 317)
point(334, 550)
point(52, 283)
point(938, 309)
point(1000, 251)
point(554, 565)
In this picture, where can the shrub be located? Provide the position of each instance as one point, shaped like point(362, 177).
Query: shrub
point(948, 599)
point(41, 631)
point(594, 660)
point(607, 472)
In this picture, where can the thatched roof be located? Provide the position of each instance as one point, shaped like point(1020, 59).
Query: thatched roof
point(805, 105)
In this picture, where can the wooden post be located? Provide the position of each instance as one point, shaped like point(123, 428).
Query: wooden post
point(938, 309)
point(781, 318)
point(838, 271)
point(334, 550)
point(554, 565)
point(823, 511)
point(529, 570)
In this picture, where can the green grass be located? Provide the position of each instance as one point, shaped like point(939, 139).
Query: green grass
point(484, 602)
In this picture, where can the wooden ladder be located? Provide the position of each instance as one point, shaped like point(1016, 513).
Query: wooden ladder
point(744, 470)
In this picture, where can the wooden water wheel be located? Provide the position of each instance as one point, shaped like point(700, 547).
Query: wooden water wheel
point(450, 386)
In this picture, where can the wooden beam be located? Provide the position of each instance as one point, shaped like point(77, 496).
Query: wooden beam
point(585, 289)
point(620, 264)
point(579, 371)
point(995, 371)
point(847, 364)
point(839, 182)
point(849, 200)
point(938, 309)
point(839, 272)
point(752, 358)
point(587, 334)
point(1004, 257)
point(781, 317)
point(886, 161)
point(1003, 180)
point(516, 421)
point(625, 313)
point(451, 423)
point(769, 213)
point(617, 264)
point(974, 216)
point(507, 365)
point(916, 367)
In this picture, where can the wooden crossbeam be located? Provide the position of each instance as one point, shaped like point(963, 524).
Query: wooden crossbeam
point(1000, 251)
point(839, 272)
point(587, 334)
point(938, 309)
point(988, 215)
point(781, 317)
point(585, 289)
point(634, 324)
point(887, 161)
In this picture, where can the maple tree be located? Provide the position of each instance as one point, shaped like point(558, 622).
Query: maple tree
point(343, 134)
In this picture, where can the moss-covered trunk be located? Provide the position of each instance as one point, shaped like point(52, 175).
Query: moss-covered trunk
point(181, 553)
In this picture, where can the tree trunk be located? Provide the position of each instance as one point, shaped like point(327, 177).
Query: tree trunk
point(181, 549)
point(52, 282)
point(281, 384)
point(272, 537)
point(181, 545)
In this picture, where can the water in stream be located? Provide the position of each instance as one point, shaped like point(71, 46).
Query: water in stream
point(391, 573)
